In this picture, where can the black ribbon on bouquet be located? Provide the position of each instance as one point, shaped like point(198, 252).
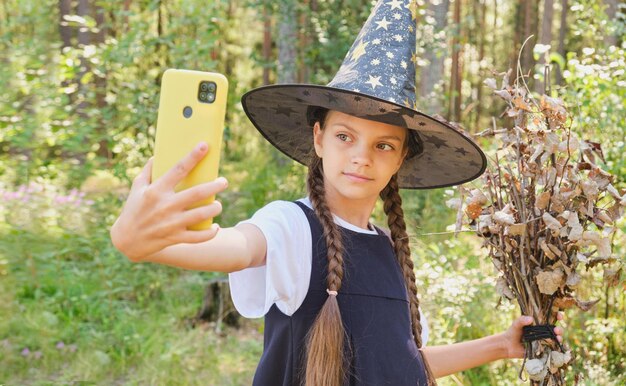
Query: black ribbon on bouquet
point(542, 331)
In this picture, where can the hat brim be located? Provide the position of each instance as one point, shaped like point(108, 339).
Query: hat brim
point(450, 157)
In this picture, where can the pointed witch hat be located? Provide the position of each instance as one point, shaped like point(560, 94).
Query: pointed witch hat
point(377, 82)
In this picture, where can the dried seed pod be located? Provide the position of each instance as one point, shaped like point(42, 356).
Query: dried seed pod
point(536, 369)
point(559, 359)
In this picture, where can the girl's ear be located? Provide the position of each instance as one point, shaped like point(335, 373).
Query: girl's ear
point(317, 139)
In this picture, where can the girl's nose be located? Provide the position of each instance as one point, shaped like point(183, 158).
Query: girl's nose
point(361, 155)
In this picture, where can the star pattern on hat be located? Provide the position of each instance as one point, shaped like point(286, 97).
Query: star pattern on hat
point(287, 111)
point(332, 98)
point(413, 7)
point(374, 81)
point(461, 150)
point(359, 50)
point(438, 142)
point(380, 69)
point(395, 4)
point(380, 60)
point(415, 180)
point(383, 23)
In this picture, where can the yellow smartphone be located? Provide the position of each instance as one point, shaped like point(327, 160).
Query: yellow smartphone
point(192, 108)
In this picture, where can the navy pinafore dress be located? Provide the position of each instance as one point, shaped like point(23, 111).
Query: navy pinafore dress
point(374, 309)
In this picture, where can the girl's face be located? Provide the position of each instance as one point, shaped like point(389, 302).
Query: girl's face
point(359, 156)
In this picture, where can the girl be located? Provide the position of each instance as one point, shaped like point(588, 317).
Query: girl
point(338, 294)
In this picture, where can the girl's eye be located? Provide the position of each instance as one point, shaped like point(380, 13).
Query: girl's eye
point(343, 137)
point(385, 146)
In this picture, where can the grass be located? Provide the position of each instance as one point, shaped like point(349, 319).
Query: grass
point(74, 311)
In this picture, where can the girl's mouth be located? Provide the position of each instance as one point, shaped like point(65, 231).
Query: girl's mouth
point(357, 177)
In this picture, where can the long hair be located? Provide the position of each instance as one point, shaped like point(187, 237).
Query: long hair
point(392, 205)
point(325, 356)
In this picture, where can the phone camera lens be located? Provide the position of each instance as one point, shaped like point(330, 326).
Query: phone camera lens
point(211, 87)
point(204, 86)
point(202, 96)
point(211, 97)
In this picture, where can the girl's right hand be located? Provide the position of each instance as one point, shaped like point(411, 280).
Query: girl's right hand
point(155, 216)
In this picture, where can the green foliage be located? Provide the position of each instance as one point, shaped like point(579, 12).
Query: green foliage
point(74, 310)
point(77, 124)
point(456, 288)
point(596, 88)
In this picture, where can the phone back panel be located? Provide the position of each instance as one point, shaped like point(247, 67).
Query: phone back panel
point(177, 135)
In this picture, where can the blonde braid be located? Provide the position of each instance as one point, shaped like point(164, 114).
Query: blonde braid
point(325, 357)
point(395, 219)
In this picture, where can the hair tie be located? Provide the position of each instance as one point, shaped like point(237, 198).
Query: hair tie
point(333, 293)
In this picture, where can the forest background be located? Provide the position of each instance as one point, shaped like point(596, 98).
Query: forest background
point(79, 85)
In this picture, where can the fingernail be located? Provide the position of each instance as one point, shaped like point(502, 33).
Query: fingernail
point(528, 319)
point(202, 146)
point(223, 180)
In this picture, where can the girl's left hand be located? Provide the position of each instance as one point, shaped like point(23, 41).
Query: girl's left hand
point(512, 338)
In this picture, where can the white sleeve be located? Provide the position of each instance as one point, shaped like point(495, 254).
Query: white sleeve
point(424, 323)
point(284, 279)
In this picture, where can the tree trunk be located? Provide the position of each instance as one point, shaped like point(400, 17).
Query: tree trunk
point(545, 38)
point(611, 39)
point(527, 55)
point(217, 306)
point(454, 107)
point(5, 15)
point(287, 42)
point(481, 54)
point(66, 32)
point(531, 26)
point(161, 57)
point(229, 60)
point(65, 8)
point(125, 18)
point(431, 75)
point(494, 39)
point(100, 84)
point(525, 25)
point(518, 18)
point(98, 14)
point(303, 43)
point(267, 44)
point(562, 34)
point(84, 38)
point(84, 35)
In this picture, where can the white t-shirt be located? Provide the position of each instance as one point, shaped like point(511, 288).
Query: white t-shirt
point(284, 279)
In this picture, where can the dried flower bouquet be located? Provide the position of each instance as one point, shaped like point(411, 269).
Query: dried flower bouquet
point(545, 209)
